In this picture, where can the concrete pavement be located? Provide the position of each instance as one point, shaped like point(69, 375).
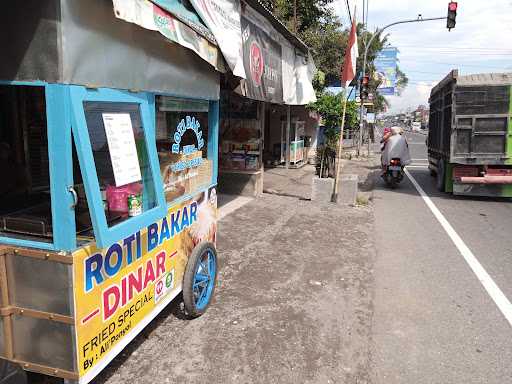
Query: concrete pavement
point(293, 305)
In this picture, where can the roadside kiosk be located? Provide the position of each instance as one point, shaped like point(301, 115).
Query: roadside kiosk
point(108, 142)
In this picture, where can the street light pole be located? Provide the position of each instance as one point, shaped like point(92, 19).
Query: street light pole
point(378, 32)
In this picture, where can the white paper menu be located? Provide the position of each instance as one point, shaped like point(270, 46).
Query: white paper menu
point(123, 151)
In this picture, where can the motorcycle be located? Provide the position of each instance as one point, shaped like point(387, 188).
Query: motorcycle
point(393, 173)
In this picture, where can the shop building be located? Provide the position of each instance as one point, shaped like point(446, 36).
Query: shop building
point(264, 121)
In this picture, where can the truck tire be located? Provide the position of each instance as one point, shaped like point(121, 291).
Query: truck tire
point(11, 373)
point(440, 175)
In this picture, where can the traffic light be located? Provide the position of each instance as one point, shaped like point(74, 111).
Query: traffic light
point(452, 14)
point(365, 80)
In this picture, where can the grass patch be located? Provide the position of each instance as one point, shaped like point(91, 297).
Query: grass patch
point(362, 199)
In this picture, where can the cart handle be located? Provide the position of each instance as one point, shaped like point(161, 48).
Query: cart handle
point(75, 196)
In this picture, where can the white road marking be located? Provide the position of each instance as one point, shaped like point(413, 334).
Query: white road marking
point(233, 205)
point(490, 286)
point(423, 166)
point(419, 159)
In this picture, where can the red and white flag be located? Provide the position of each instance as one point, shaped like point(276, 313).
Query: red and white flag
point(348, 71)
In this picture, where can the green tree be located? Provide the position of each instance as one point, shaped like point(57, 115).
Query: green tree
point(330, 108)
point(328, 42)
point(319, 28)
point(401, 81)
point(310, 13)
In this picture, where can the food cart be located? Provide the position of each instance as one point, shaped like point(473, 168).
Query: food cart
point(108, 141)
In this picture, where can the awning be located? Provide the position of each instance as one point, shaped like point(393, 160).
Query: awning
point(184, 12)
point(192, 34)
point(298, 73)
point(223, 18)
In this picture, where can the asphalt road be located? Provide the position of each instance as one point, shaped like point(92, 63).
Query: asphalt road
point(433, 320)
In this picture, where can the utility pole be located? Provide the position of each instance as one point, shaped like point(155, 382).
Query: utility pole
point(377, 33)
point(295, 16)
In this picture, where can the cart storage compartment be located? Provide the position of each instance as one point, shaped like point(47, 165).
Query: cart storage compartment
point(41, 285)
point(37, 323)
point(25, 207)
point(44, 342)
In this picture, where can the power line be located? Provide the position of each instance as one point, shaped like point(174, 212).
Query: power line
point(476, 51)
point(456, 47)
point(454, 65)
point(430, 73)
point(451, 53)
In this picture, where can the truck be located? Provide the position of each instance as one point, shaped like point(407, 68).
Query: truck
point(470, 134)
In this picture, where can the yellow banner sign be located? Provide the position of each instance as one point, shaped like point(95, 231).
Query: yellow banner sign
point(120, 289)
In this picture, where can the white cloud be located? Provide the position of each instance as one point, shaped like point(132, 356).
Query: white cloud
point(411, 97)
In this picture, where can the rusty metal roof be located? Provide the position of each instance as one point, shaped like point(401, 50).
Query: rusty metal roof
point(485, 79)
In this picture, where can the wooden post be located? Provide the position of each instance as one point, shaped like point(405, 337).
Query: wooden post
point(288, 128)
point(334, 197)
point(7, 320)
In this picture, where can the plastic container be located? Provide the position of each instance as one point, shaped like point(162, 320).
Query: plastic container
point(117, 197)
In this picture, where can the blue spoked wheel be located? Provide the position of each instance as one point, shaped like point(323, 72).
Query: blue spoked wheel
point(200, 279)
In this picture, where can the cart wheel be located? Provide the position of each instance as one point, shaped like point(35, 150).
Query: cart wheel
point(200, 279)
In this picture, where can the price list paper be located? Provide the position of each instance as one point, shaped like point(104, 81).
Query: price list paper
point(122, 148)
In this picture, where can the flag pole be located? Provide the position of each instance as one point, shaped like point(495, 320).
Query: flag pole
point(334, 197)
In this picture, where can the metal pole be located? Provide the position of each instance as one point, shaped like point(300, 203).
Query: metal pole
point(378, 32)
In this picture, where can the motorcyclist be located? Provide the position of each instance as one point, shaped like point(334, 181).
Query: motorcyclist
point(395, 147)
point(386, 134)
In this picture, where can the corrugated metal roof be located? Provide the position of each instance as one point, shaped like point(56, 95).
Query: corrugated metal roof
point(485, 79)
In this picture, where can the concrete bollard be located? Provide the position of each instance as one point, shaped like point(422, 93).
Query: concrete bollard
point(348, 188)
point(322, 189)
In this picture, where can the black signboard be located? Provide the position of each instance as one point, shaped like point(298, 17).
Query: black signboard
point(262, 63)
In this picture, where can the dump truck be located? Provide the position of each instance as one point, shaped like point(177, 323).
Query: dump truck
point(470, 134)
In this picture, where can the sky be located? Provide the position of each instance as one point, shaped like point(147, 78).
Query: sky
point(481, 41)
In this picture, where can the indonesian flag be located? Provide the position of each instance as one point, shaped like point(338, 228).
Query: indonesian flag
point(348, 71)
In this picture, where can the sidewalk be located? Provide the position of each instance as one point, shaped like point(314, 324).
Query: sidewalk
point(289, 182)
point(293, 305)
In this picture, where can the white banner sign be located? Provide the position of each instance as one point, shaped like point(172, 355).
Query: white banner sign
point(150, 16)
point(222, 17)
